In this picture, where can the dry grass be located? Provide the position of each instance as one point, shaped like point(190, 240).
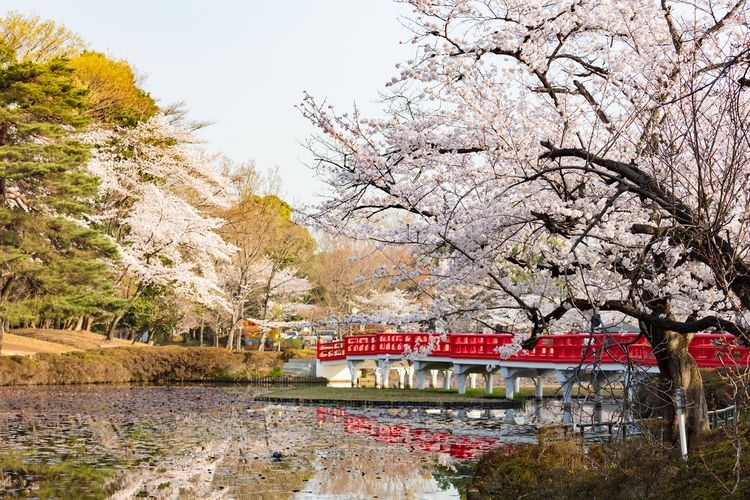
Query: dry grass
point(636, 468)
point(79, 340)
point(16, 345)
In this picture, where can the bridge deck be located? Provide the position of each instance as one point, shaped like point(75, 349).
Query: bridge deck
point(709, 350)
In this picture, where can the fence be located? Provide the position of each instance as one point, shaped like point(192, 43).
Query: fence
point(610, 431)
point(722, 418)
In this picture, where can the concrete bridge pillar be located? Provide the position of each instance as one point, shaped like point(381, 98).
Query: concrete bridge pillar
point(566, 378)
point(596, 382)
point(401, 377)
point(473, 380)
point(421, 375)
point(447, 378)
point(630, 384)
point(538, 388)
point(354, 372)
point(510, 386)
point(461, 373)
point(385, 371)
point(512, 381)
point(461, 382)
point(378, 378)
point(410, 376)
point(433, 379)
point(488, 380)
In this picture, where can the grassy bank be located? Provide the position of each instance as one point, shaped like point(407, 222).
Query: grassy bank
point(632, 469)
point(136, 364)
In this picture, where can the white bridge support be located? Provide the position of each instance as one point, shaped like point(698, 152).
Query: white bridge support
point(597, 379)
point(512, 377)
point(354, 372)
point(433, 367)
point(384, 370)
point(488, 381)
point(337, 374)
point(383, 366)
point(346, 373)
point(470, 370)
point(567, 378)
point(405, 376)
point(447, 378)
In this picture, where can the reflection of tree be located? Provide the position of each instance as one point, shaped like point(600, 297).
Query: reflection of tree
point(359, 468)
point(456, 476)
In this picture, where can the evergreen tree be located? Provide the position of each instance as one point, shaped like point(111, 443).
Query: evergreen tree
point(51, 270)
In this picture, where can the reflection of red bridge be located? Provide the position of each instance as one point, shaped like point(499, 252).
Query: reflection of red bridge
point(469, 354)
point(457, 446)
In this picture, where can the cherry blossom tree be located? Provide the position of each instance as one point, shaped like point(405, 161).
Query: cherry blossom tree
point(158, 190)
point(391, 306)
point(267, 291)
point(564, 158)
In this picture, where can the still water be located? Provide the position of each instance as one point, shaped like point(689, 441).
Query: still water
point(216, 442)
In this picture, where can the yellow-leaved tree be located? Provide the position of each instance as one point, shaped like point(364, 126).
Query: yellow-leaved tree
point(36, 40)
point(114, 89)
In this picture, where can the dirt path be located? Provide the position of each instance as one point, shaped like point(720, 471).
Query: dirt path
point(25, 346)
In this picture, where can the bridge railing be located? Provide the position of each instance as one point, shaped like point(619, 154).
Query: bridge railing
point(477, 346)
point(362, 345)
point(709, 350)
point(717, 350)
point(330, 351)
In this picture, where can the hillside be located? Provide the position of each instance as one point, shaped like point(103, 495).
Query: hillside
point(17, 345)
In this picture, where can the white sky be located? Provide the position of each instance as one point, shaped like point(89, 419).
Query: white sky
point(244, 64)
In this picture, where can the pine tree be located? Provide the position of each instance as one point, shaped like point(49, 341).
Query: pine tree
point(51, 270)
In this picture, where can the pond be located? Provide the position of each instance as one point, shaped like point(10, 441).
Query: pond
point(216, 442)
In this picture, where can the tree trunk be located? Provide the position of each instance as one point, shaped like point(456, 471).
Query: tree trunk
point(678, 369)
point(262, 344)
point(200, 333)
point(86, 323)
point(2, 334)
point(230, 339)
point(79, 324)
point(113, 327)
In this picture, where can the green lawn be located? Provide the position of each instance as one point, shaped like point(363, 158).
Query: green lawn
point(391, 395)
point(372, 394)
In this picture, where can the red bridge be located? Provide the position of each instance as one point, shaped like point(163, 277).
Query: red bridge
point(467, 354)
